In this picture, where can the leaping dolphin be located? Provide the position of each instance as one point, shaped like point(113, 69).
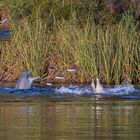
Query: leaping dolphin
point(25, 81)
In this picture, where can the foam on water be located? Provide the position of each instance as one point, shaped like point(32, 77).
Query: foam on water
point(122, 91)
point(73, 90)
point(116, 90)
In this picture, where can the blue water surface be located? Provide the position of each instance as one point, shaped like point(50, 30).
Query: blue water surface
point(5, 34)
point(73, 91)
point(69, 113)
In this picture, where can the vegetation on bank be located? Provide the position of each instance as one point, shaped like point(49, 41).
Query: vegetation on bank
point(66, 34)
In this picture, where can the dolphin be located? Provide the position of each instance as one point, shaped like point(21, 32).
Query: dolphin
point(98, 88)
point(25, 81)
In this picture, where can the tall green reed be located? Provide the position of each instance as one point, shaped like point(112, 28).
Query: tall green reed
point(29, 46)
point(109, 52)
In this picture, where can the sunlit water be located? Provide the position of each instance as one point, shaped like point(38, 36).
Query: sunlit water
point(69, 113)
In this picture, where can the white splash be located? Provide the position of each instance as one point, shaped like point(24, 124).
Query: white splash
point(125, 87)
point(122, 89)
point(51, 69)
point(72, 70)
point(49, 84)
point(73, 90)
point(60, 77)
point(3, 21)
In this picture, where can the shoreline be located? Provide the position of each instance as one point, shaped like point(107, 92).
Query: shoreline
point(58, 84)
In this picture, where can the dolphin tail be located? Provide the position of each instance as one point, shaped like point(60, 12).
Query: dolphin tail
point(93, 85)
point(99, 87)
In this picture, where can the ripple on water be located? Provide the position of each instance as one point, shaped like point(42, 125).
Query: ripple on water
point(116, 91)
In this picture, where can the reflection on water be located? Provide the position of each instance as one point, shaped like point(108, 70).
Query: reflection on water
point(81, 118)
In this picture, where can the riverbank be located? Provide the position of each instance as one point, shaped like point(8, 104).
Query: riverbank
point(108, 48)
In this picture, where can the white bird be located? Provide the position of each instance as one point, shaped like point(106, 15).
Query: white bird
point(98, 88)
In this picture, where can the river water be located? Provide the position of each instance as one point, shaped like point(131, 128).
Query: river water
point(68, 113)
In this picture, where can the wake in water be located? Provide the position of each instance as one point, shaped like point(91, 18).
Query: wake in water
point(123, 89)
point(73, 90)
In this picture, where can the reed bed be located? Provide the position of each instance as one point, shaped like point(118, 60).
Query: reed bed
point(108, 51)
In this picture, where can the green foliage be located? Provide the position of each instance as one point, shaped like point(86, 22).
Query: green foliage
point(82, 33)
point(109, 52)
point(29, 45)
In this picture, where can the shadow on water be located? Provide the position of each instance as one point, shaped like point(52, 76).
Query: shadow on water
point(66, 113)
